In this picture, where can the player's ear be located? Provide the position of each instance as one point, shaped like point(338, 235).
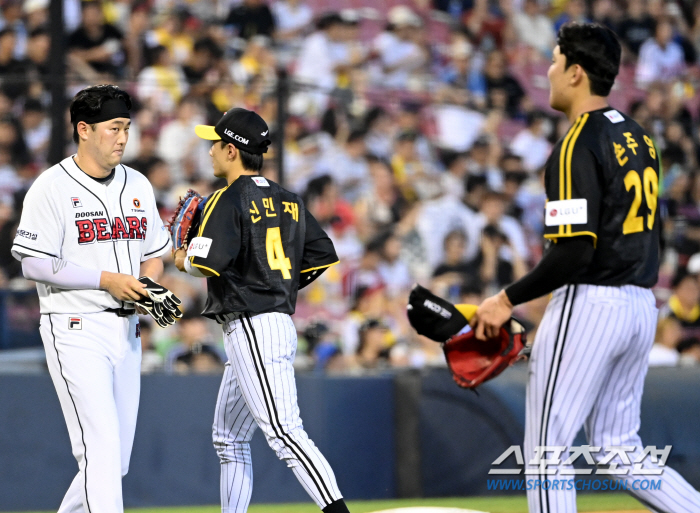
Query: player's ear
point(232, 152)
point(578, 75)
point(82, 128)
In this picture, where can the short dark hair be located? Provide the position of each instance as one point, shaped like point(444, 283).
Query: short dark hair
point(89, 102)
point(250, 161)
point(596, 49)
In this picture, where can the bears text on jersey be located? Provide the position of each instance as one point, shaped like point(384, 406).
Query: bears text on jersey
point(99, 229)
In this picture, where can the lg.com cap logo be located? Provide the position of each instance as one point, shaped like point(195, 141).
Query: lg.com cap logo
point(236, 136)
point(553, 213)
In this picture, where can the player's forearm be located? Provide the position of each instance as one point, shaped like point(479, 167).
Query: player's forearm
point(556, 269)
point(60, 273)
point(195, 271)
point(153, 268)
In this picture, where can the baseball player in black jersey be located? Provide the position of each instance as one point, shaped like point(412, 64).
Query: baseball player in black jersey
point(590, 354)
point(257, 245)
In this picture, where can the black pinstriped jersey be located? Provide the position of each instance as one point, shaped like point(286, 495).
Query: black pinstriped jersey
point(261, 244)
point(602, 180)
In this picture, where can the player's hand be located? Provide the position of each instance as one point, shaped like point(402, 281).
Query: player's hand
point(491, 315)
point(123, 287)
point(179, 257)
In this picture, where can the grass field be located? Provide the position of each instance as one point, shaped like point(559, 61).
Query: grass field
point(593, 502)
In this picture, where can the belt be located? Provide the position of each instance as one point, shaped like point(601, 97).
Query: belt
point(228, 317)
point(121, 312)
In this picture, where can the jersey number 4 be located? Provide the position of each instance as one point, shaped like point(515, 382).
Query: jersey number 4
point(634, 223)
point(275, 253)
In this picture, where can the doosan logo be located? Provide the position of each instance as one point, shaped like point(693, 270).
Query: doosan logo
point(236, 136)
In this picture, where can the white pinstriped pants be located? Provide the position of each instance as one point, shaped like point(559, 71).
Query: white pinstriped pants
point(258, 389)
point(588, 365)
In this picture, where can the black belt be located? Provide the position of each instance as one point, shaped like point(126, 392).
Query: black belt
point(228, 317)
point(121, 312)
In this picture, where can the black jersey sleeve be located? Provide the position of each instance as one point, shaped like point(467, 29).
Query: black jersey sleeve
point(574, 189)
point(319, 252)
point(218, 240)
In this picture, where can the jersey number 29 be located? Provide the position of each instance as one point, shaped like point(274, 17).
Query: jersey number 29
point(275, 253)
point(634, 223)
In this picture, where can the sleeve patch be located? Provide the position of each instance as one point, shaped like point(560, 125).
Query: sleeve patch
point(260, 181)
point(614, 116)
point(199, 247)
point(574, 211)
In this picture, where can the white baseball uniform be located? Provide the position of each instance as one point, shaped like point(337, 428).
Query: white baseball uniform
point(93, 355)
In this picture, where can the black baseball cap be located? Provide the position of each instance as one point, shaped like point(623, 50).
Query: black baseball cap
point(243, 128)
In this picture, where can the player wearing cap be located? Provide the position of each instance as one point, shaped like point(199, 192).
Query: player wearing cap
point(590, 356)
point(89, 227)
point(257, 245)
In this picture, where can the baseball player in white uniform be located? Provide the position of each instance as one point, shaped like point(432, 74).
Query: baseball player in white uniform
point(590, 355)
point(89, 228)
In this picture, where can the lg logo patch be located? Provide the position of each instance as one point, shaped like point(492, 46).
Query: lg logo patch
point(75, 323)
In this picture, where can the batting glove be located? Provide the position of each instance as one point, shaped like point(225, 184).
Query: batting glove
point(155, 310)
point(165, 303)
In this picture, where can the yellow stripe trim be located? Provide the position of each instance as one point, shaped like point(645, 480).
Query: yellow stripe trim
point(206, 268)
point(321, 267)
point(569, 155)
point(554, 237)
point(210, 204)
point(562, 160)
point(207, 205)
point(214, 200)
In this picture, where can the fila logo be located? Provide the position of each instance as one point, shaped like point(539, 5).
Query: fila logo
point(76, 202)
point(264, 133)
point(75, 323)
point(236, 136)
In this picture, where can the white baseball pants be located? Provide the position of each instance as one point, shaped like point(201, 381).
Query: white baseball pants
point(588, 365)
point(95, 363)
point(258, 389)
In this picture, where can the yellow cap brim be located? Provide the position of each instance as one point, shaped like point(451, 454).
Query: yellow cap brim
point(207, 132)
point(467, 311)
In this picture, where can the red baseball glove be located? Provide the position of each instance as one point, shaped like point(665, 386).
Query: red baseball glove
point(185, 221)
point(471, 361)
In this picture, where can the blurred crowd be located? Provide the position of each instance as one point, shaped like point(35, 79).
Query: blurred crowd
point(416, 133)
